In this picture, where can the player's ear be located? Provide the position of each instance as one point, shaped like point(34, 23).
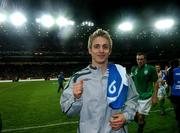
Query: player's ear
point(89, 50)
point(110, 51)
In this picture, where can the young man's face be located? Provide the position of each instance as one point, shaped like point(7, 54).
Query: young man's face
point(100, 51)
point(140, 60)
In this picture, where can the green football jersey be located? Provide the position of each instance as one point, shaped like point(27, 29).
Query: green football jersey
point(144, 79)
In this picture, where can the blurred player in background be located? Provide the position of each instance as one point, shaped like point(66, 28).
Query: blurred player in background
point(173, 80)
point(162, 88)
point(145, 79)
point(61, 80)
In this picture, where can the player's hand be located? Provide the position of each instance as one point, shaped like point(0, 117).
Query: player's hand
point(117, 121)
point(78, 89)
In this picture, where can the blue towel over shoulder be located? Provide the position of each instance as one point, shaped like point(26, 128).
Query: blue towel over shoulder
point(117, 88)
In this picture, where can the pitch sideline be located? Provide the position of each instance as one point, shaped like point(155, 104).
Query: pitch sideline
point(43, 126)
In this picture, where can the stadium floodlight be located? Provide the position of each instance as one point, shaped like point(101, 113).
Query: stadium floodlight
point(38, 20)
point(62, 22)
point(164, 24)
point(46, 20)
point(17, 19)
point(87, 23)
point(2, 17)
point(125, 26)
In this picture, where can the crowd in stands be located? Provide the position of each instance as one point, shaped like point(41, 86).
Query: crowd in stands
point(16, 72)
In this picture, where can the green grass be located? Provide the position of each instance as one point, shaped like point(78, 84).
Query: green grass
point(156, 123)
point(36, 103)
point(26, 104)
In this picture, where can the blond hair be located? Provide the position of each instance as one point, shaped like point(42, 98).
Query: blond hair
point(99, 33)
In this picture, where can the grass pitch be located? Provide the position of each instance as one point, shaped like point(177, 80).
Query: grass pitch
point(33, 107)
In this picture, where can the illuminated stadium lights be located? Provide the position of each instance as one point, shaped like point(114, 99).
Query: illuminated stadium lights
point(2, 17)
point(125, 26)
point(62, 22)
point(164, 24)
point(46, 20)
point(38, 20)
point(87, 23)
point(17, 19)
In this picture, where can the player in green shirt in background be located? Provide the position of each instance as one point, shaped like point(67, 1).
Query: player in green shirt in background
point(145, 79)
